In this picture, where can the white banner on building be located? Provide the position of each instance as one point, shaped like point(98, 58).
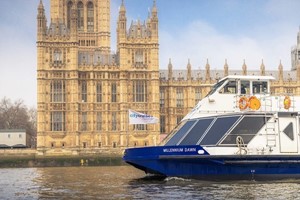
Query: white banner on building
point(141, 118)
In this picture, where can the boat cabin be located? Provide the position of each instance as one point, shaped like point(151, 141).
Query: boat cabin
point(243, 85)
point(242, 93)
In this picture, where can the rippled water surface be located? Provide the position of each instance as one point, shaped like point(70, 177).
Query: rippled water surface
point(125, 182)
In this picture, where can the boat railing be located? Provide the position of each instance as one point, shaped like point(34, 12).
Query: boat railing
point(266, 102)
point(259, 103)
point(283, 102)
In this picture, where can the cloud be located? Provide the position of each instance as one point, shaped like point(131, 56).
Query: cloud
point(199, 41)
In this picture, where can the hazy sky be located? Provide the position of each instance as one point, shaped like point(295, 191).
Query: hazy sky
point(188, 29)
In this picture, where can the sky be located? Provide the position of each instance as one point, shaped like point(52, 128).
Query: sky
point(195, 30)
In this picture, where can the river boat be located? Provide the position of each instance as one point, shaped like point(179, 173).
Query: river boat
point(240, 130)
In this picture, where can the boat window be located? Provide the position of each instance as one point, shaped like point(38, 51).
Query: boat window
point(229, 88)
point(171, 134)
point(260, 87)
point(218, 130)
point(245, 87)
point(215, 87)
point(197, 132)
point(247, 129)
point(180, 133)
point(289, 131)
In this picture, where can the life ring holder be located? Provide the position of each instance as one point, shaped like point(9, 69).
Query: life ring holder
point(243, 103)
point(254, 103)
point(287, 102)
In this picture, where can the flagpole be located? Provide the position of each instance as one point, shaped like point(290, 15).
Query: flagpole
point(127, 128)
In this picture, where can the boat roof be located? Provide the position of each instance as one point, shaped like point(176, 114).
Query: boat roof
point(248, 77)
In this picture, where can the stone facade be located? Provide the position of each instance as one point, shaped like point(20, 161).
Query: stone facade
point(85, 91)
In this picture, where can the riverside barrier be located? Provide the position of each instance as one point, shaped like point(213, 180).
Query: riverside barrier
point(19, 158)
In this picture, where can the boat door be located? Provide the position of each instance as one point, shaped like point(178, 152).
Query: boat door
point(288, 134)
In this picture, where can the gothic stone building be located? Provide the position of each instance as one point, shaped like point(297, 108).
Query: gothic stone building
point(85, 91)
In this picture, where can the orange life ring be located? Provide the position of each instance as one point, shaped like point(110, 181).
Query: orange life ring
point(254, 103)
point(243, 103)
point(287, 102)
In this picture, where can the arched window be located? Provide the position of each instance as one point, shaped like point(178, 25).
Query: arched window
point(57, 91)
point(90, 17)
point(69, 13)
point(114, 92)
point(57, 121)
point(140, 91)
point(99, 91)
point(57, 56)
point(139, 57)
point(80, 16)
point(83, 91)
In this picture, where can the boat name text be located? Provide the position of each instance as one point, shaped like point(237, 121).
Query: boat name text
point(169, 150)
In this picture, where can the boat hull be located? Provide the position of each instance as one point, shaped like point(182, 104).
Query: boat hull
point(195, 162)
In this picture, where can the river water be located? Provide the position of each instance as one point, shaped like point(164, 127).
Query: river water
point(126, 182)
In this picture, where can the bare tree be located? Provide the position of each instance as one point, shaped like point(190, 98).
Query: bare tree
point(32, 114)
point(17, 116)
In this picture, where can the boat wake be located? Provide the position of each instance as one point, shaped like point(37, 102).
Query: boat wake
point(177, 179)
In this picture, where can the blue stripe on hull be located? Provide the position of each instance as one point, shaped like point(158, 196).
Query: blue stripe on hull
point(192, 165)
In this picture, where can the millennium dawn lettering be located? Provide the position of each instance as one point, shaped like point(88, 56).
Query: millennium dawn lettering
point(170, 150)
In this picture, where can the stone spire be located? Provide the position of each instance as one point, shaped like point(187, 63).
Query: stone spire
point(207, 69)
point(262, 68)
point(122, 19)
point(121, 25)
point(122, 8)
point(41, 5)
point(154, 21)
point(41, 21)
point(154, 9)
point(226, 73)
point(189, 70)
point(244, 68)
point(170, 70)
point(280, 70)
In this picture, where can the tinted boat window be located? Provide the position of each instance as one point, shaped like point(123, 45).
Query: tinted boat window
point(215, 87)
point(245, 87)
point(229, 88)
point(231, 139)
point(218, 130)
point(180, 133)
point(247, 129)
point(196, 133)
point(259, 87)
